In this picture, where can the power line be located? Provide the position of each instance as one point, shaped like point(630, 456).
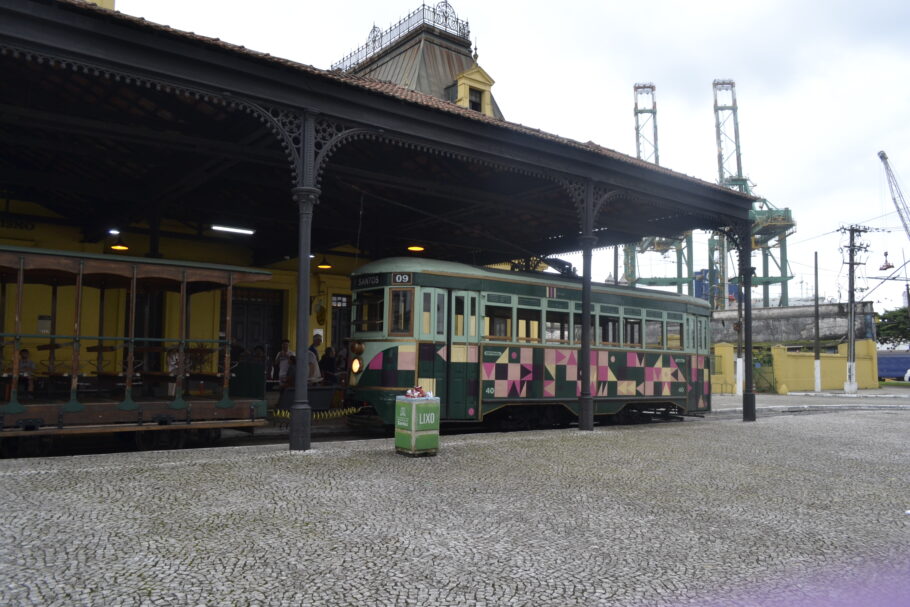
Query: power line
point(834, 231)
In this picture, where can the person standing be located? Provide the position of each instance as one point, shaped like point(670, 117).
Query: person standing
point(314, 375)
point(314, 347)
point(327, 366)
point(283, 360)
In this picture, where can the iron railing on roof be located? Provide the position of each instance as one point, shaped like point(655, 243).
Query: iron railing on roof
point(441, 16)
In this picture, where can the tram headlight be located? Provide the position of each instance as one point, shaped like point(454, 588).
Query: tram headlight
point(356, 365)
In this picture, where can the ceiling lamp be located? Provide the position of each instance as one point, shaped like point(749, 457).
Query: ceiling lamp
point(233, 230)
point(416, 248)
point(324, 264)
point(119, 245)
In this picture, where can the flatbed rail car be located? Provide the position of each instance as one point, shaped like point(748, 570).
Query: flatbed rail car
point(131, 371)
point(505, 345)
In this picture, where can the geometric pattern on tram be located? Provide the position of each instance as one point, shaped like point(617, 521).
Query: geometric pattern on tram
point(522, 372)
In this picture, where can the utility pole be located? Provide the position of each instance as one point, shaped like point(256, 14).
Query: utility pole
point(739, 337)
point(817, 348)
point(850, 384)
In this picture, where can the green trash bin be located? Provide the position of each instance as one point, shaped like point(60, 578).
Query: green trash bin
point(416, 426)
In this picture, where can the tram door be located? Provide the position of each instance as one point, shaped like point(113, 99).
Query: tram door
point(434, 341)
point(464, 368)
point(701, 377)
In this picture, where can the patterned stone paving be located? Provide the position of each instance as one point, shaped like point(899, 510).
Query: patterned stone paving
point(789, 510)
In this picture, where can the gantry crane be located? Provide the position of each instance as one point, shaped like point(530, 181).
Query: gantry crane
point(896, 194)
point(770, 225)
point(898, 197)
point(646, 149)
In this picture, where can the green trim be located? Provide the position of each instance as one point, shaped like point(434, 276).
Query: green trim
point(260, 408)
point(451, 275)
point(13, 406)
point(128, 404)
point(179, 403)
point(500, 299)
point(73, 406)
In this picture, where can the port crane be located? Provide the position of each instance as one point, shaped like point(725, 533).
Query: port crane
point(896, 195)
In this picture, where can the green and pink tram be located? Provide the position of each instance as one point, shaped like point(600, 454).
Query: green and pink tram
point(496, 344)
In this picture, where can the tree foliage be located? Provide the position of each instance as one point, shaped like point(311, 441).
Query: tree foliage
point(893, 328)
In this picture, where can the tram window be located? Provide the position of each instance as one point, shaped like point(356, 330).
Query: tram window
point(440, 314)
point(632, 333)
point(458, 329)
point(578, 326)
point(472, 317)
point(675, 335)
point(557, 327)
point(369, 310)
point(497, 322)
point(654, 334)
point(427, 313)
point(609, 330)
point(528, 325)
point(400, 313)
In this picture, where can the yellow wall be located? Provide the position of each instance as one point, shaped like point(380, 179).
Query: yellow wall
point(205, 309)
point(36, 302)
point(723, 373)
point(104, 3)
point(795, 371)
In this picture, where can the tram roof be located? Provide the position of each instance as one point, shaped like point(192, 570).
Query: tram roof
point(456, 269)
point(48, 265)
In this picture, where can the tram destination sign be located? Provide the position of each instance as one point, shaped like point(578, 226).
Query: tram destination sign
point(367, 281)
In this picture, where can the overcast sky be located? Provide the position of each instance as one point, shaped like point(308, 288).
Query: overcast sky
point(822, 86)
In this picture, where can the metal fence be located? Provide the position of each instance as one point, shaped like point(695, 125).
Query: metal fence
point(441, 16)
point(763, 379)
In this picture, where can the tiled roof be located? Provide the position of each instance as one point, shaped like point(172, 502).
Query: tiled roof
point(385, 88)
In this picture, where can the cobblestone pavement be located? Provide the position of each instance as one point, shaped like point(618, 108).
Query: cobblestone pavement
point(789, 510)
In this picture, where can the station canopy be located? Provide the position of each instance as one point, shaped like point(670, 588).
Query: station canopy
point(108, 120)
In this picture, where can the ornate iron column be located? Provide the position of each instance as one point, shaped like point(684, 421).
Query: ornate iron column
point(301, 412)
point(585, 401)
point(306, 195)
point(746, 271)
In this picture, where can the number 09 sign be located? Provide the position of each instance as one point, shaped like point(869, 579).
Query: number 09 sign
point(402, 278)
